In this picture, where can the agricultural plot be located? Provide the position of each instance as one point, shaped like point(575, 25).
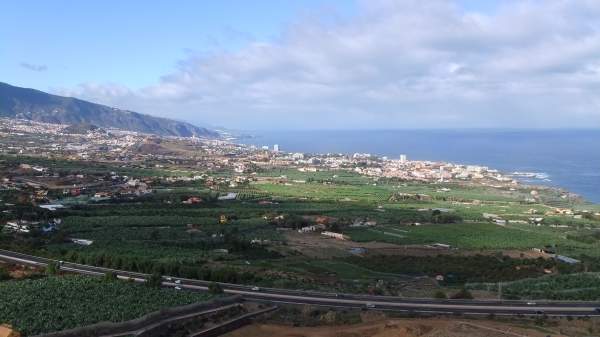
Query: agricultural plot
point(316, 191)
point(161, 238)
point(573, 287)
point(336, 176)
point(475, 236)
point(58, 303)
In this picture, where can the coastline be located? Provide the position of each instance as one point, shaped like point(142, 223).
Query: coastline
point(560, 159)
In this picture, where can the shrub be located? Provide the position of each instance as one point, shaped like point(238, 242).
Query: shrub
point(440, 295)
point(463, 294)
point(215, 288)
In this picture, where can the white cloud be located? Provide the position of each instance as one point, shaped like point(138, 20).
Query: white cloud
point(34, 67)
point(396, 64)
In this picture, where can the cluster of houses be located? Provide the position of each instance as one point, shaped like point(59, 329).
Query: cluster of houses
point(25, 226)
point(535, 220)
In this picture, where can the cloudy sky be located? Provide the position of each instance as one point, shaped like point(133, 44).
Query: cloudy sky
point(311, 64)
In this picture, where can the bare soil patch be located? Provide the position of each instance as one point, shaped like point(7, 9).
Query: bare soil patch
point(396, 328)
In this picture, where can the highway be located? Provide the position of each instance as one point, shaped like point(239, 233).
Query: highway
point(288, 296)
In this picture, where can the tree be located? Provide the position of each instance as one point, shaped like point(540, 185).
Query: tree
point(154, 281)
point(215, 288)
point(52, 268)
point(463, 294)
point(4, 275)
point(440, 295)
point(110, 276)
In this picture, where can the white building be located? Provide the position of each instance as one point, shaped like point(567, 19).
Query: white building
point(334, 235)
point(82, 242)
point(276, 148)
point(403, 158)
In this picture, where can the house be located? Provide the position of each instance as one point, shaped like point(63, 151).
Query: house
point(338, 236)
point(500, 222)
point(536, 221)
point(363, 223)
point(324, 220)
point(192, 200)
point(490, 216)
point(260, 241)
point(99, 196)
point(223, 219)
point(312, 228)
point(52, 207)
point(21, 226)
point(82, 242)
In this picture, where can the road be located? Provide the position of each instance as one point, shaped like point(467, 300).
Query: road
point(388, 303)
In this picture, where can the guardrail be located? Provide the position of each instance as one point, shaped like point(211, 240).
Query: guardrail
point(232, 324)
point(127, 327)
point(80, 268)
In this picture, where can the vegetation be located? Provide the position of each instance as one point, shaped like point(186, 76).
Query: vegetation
point(57, 303)
point(52, 269)
point(215, 288)
point(4, 275)
point(581, 287)
point(159, 234)
point(460, 269)
point(463, 294)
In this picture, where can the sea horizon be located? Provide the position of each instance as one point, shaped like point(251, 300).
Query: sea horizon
point(562, 158)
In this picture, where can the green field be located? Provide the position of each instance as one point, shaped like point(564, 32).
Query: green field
point(158, 233)
point(572, 287)
point(475, 236)
point(58, 303)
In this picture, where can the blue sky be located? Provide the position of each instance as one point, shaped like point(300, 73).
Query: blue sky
point(316, 64)
point(133, 42)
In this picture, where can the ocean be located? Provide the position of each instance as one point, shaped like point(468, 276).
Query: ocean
point(569, 159)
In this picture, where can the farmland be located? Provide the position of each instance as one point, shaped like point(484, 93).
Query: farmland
point(576, 287)
point(472, 236)
point(56, 303)
point(247, 239)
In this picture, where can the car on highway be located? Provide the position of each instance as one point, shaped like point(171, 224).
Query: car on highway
point(370, 305)
point(169, 279)
point(177, 281)
point(531, 303)
point(177, 288)
point(255, 289)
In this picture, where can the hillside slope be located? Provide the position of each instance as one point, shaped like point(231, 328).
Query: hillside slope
point(16, 102)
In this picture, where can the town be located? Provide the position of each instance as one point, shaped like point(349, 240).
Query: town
point(217, 210)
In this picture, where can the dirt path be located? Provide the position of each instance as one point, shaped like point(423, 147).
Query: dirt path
point(394, 328)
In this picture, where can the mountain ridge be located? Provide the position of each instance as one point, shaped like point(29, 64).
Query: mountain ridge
point(36, 105)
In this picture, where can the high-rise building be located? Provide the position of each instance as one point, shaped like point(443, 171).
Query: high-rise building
point(276, 147)
point(403, 158)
